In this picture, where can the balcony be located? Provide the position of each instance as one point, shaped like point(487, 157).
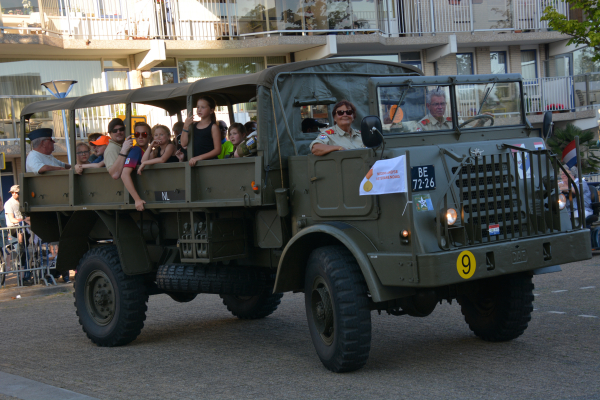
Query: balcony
point(229, 19)
point(579, 94)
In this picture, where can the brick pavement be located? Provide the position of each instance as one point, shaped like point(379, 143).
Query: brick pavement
point(198, 350)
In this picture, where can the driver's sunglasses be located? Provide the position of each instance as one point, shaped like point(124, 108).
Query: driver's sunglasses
point(137, 134)
point(342, 112)
point(118, 130)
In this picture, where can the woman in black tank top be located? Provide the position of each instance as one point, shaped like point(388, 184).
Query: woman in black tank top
point(207, 136)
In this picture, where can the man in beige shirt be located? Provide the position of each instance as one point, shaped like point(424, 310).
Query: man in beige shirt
point(117, 149)
point(434, 120)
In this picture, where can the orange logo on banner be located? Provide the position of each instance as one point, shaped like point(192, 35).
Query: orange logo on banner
point(399, 115)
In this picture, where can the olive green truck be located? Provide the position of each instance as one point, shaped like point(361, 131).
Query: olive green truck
point(480, 213)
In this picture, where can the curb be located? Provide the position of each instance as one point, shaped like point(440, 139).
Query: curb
point(31, 291)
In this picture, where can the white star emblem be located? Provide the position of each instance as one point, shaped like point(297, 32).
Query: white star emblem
point(423, 202)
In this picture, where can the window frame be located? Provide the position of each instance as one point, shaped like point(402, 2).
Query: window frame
point(505, 60)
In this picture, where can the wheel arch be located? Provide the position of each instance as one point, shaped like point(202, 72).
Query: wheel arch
point(74, 241)
point(292, 265)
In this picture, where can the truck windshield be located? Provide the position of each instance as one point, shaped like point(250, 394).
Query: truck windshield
point(491, 104)
point(422, 108)
point(428, 108)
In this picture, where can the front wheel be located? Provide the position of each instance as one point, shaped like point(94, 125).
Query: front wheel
point(501, 309)
point(337, 308)
point(111, 305)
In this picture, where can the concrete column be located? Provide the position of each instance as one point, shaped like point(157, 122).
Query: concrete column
point(482, 61)
point(514, 59)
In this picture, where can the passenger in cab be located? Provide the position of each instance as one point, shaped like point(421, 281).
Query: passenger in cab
point(100, 146)
point(250, 127)
point(342, 136)
point(311, 125)
point(143, 135)
point(162, 149)
point(82, 151)
point(92, 137)
point(118, 148)
point(237, 133)
point(207, 136)
point(177, 129)
point(40, 158)
point(226, 146)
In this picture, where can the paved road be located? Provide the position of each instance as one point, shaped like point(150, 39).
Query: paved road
point(198, 350)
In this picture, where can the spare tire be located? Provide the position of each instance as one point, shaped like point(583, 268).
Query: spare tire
point(223, 279)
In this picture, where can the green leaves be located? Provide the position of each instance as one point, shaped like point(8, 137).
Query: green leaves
point(586, 32)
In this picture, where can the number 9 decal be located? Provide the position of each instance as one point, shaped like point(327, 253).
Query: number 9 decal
point(465, 264)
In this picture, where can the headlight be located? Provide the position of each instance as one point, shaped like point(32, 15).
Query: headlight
point(562, 201)
point(451, 216)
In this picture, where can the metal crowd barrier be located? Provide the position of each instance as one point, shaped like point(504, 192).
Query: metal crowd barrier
point(26, 258)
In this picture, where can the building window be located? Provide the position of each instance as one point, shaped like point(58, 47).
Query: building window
point(412, 58)
point(498, 62)
point(528, 64)
point(464, 64)
point(193, 69)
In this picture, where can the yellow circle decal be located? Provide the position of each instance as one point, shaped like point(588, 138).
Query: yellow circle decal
point(465, 264)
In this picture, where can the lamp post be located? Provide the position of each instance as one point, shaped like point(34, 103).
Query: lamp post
point(60, 90)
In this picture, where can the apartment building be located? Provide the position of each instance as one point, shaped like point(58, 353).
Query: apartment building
point(120, 44)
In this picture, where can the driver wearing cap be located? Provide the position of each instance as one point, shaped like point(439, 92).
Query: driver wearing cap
point(40, 158)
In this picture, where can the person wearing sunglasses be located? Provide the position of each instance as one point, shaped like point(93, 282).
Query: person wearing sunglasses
point(82, 151)
point(342, 136)
point(40, 158)
point(143, 136)
point(117, 149)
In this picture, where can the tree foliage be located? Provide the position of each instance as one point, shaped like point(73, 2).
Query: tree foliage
point(582, 33)
point(561, 139)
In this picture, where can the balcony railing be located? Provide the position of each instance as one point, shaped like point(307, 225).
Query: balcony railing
point(225, 19)
point(562, 93)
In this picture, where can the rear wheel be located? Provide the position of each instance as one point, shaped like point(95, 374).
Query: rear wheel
point(337, 308)
point(501, 309)
point(252, 307)
point(111, 305)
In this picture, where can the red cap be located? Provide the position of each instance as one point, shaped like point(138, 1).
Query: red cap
point(101, 141)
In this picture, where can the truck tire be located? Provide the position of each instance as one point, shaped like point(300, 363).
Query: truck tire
point(501, 309)
point(223, 279)
point(337, 309)
point(111, 306)
point(252, 307)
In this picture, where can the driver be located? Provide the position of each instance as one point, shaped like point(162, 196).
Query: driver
point(434, 120)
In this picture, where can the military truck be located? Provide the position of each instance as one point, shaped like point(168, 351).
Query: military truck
point(481, 213)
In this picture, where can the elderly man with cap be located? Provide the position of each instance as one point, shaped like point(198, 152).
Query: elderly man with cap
point(40, 158)
point(310, 125)
point(117, 149)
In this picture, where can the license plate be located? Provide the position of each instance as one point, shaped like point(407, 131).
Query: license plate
point(519, 256)
point(422, 178)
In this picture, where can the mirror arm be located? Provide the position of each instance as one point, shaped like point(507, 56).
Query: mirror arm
point(374, 129)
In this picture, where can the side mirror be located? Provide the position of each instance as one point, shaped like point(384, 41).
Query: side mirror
point(547, 125)
point(370, 131)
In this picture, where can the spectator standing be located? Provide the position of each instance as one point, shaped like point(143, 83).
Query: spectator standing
point(40, 158)
point(207, 136)
point(14, 219)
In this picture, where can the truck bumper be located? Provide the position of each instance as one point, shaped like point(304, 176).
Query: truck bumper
point(495, 259)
